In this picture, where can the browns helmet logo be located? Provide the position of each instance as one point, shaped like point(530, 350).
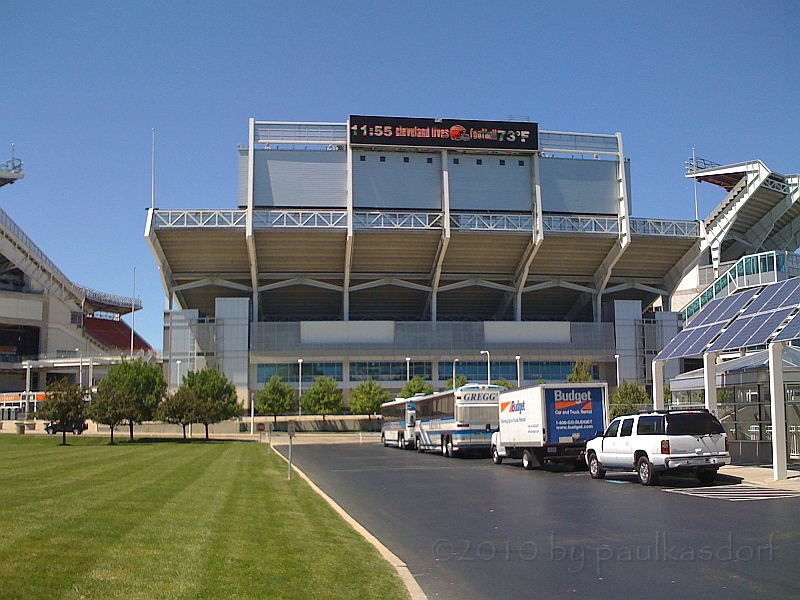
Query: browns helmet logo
point(459, 134)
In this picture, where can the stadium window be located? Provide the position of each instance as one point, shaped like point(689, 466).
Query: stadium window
point(383, 159)
point(502, 162)
point(455, 161)
point(362, 158)
point(479, 161)
point(430, 161)
point(405, 159)
point(522, 163)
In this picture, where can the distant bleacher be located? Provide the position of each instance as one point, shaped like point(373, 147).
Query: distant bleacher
point(114, 334)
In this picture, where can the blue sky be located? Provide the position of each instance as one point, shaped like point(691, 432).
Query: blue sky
point(85, 82)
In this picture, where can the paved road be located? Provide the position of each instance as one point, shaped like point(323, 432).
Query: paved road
point(469, 529)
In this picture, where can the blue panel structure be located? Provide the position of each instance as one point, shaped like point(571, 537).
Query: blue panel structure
point(790, 332)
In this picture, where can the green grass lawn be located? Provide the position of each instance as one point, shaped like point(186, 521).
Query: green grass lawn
point(164, 519)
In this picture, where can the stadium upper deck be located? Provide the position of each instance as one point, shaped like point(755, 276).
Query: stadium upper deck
point(330, 228)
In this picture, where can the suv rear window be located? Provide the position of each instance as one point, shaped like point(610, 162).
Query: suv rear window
point(650, 426)
point(693, 424)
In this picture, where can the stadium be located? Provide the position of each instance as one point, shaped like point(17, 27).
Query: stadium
point(389, 247)
point(50, 326)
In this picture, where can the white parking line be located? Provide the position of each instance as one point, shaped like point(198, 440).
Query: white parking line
point(735, 493)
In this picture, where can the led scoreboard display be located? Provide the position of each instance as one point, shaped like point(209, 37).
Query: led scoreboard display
point(443, 133)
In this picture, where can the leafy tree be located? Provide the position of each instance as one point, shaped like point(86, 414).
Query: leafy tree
point(179, 408)
point(323, 398)
point(503, 382)
point(278, 397)
point(143, 385)
point(64, 405)
point(461, 379)
point(541, 380)
point(109, 406)
point(215, 395)
point(581, 372)
point(628, 399)
point(367, 398)
point(416, 385)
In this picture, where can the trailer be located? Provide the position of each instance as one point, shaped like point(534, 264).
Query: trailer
point(550, 422)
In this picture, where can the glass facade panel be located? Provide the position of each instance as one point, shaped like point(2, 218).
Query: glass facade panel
point(389, 370)
point(290, 371)
point(475, 370)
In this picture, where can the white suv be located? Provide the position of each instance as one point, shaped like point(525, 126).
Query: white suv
point(656, 442)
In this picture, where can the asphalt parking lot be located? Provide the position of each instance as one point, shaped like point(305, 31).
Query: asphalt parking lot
point(469, 529)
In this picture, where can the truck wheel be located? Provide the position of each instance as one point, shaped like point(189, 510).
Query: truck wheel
point(418, 444)
point(527, 460)
point(444, 446)
point(496, 458)
point(383, 441)
point(401, 442)
point(644, 469)
point(595, 470)
point(450, 452)
point(707, 476)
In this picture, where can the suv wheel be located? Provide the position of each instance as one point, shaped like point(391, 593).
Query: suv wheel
point(644, 469)
point(595, 470)
point(496, 458)
point(707, 476)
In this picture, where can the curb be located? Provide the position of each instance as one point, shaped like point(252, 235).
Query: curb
point(411, 584)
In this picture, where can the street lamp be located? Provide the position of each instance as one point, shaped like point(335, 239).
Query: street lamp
point(488, 367)
point(408, 369)
point(519, 374)
point(300, 386)
point(616, 360)
point(178, 362)
point(454, 372)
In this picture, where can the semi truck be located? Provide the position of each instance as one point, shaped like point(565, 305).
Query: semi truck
point(550, 422)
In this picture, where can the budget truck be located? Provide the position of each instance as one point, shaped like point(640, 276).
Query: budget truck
point(550, 422)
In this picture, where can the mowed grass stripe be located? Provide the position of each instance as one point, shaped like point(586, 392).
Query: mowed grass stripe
point(74, 469)
point(69, 532)
point(173, 520)
point(119, 482)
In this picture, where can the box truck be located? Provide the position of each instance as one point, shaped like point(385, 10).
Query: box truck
point(550, 422)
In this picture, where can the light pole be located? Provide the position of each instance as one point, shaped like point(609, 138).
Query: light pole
point(178, 362)
point(300, 386)
point(519, 374)
point(408, 369)
point(454, 372)
point(488, 367)
point(80, 367)
point(616, 360)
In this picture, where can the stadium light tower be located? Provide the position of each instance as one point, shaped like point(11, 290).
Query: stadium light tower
point(488, 367)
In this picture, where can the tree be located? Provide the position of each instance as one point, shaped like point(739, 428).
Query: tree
point(109, 406)
point(142, 383)
point(581, 372)
point(64, 405)
point(179, 408)
point(416, 385)
point(367, 397)
point(278, 397)
point(628, 399)
point(215, 394)
point(503, 382)
point(323, 398)
point(461, 379)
